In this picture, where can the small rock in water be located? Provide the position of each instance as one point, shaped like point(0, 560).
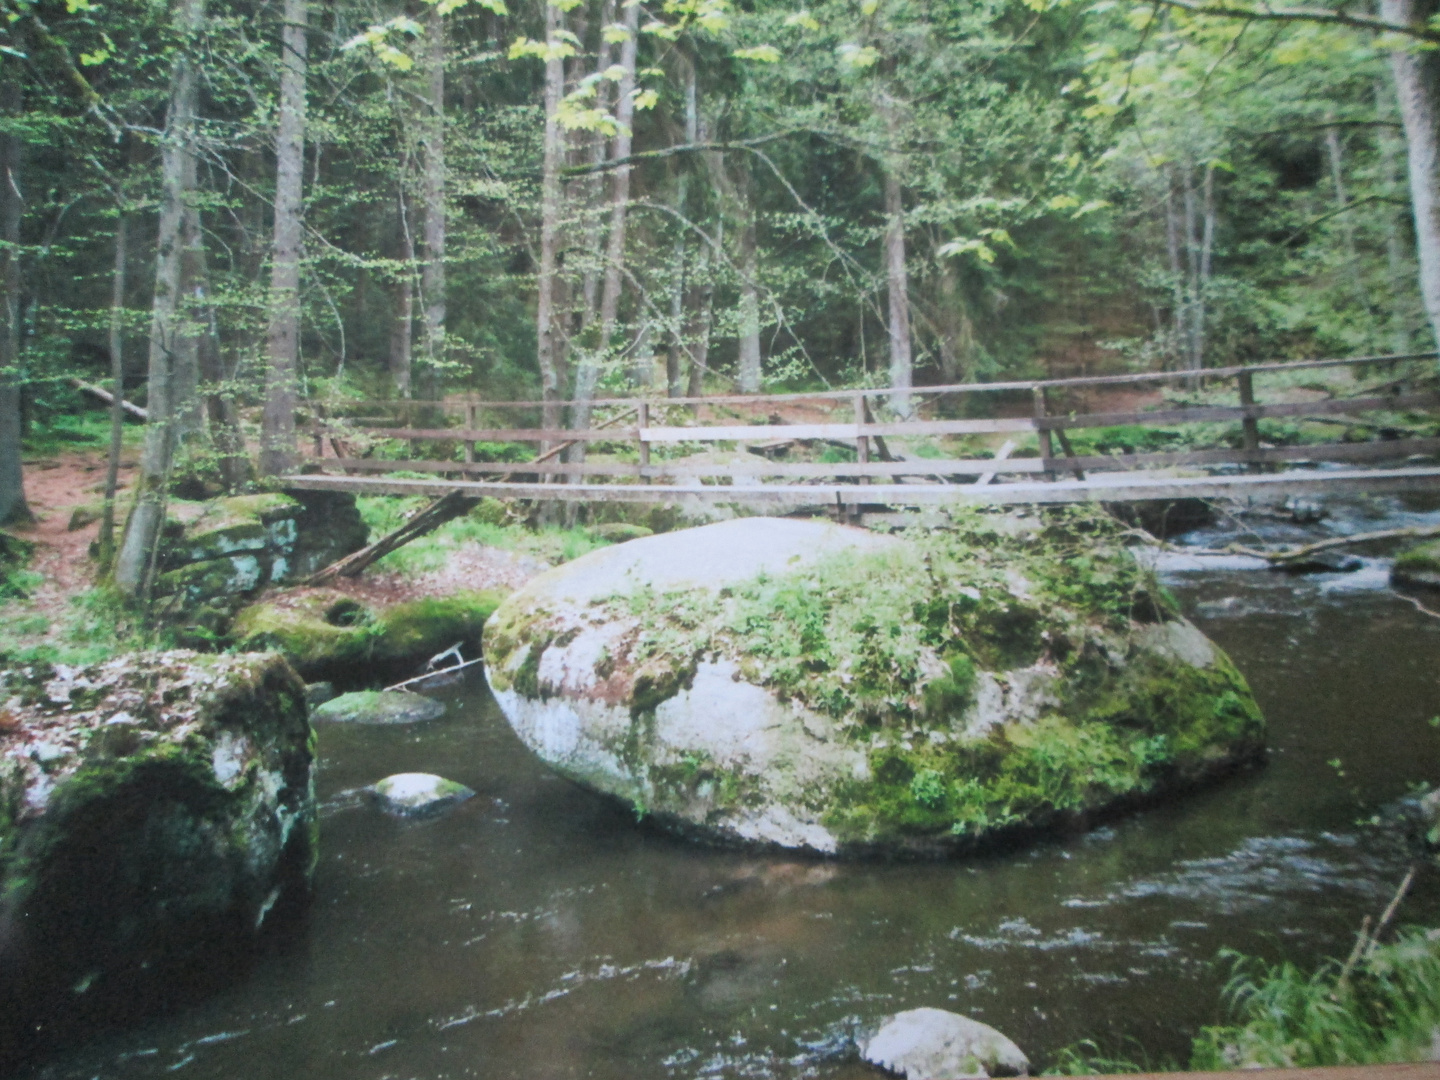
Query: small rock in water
point(1304, 511)
point(414, 794)
point(379, 707)
point(318, 693)
point(933, 1044)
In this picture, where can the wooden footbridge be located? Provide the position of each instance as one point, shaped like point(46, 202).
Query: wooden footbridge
point(743, 449)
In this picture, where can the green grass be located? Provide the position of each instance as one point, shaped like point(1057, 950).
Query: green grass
point(98, 625)
point(483, 526)
point(88, 430)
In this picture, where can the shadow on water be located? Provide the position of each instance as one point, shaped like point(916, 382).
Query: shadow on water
point(536, 931)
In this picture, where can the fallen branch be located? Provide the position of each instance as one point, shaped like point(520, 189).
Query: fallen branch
point(1305, 551)
point(560, 447)
point(443, 509)
point(109, 398)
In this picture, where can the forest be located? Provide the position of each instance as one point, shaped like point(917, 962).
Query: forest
point(234, 208)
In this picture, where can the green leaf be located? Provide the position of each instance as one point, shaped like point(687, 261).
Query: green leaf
point(802, 19)
point(858, 57)
point(968, 246)
point(661, 30)
point(615, 34)
point(765, 54)
point(646, 99)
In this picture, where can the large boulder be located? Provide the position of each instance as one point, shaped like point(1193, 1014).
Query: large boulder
point(806, 685)
point(933, 1044)
point(156, 812)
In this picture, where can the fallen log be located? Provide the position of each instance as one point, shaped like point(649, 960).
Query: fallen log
point(1306, 550)
point(443, 509)
point(109, 398)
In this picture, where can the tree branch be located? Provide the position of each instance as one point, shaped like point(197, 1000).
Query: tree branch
point(1226, 10)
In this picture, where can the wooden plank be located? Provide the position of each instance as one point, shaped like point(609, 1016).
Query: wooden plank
point(1004, 452)
point(795, 469)
point(1210, 413)
point(1383, 450)
point(1118, 487)
point(762, 400)
point(1416, 1070)
point(501, 434)
point(742, 432)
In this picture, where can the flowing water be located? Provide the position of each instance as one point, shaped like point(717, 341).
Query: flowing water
point(538, 931)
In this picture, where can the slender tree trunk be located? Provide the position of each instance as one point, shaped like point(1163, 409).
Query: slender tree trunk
point(679, 285)
point(117, 384)
point(1335, 152)
point(898, 289)
point(1192, 265)
point(1177, 276)
point(1207, 249)
point(167, 330)
point(217, 382)
point(1417, 85)
point(402, 325)
point(588, 373)
point(1402, 327)
point(594, 189)
point(277, 440)
point(749, 323)
point(432, 273)
point(957, 335)
point(554, 149)
point(13, 507)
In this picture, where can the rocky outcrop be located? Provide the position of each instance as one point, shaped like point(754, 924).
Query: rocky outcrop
point(326, 634)
point(933, 1044)
point(216, 554)
point(157, 812)
point(810, 686)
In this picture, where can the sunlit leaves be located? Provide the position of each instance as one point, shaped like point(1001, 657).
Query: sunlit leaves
point(858, 57)
point(766, 54)
point(615, 34)
point(802, 19)
point(558, 49)
point(377, 38)
point(645, 99)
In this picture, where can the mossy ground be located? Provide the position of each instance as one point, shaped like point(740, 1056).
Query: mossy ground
point(893, 644)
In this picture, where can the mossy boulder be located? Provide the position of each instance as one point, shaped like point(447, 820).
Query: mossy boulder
point(417, 794)
point(805, 685)
point(157, 812)
point(618, 532)
point(1418, 567)
point(326, 634)
point(379, 707)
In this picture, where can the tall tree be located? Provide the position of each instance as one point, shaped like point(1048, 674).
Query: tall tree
point(169, 334)
point(547, 330)
point(13, 507)
point(432, 274)
point(277, 441)
point(1417, 85)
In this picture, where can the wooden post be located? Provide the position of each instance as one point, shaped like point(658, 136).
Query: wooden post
point(1047, 450)
point(642, 423)
point(862, 442)
point(1249, 425)
point(472, 421)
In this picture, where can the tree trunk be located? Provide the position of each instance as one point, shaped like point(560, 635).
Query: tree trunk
point(13, 507)
point(217, 384)
point(432, 272)
point(898, 290)
point(1417, 85)
point(554, 149)
point(1177, 277)
point(1401, 325)
point(117, 385)
point(277, 440)
point(1335, 152)
point(749, 324)
point(588, 373)
point(134, 562)
point(1207, 249)
point(402, 325)
point(679, 285)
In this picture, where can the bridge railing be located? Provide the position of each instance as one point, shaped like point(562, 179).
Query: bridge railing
point(649, 423)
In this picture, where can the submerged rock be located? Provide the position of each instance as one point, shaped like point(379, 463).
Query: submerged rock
point(1323, 562)
point(328, 635)
point(806, 685)
point(418, 794)
point(155, 812)
point(932, 1044)
point(1418, 567)
point(379, 707)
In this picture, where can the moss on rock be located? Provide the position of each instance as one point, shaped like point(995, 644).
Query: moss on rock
point(1418, 567)
point(326, 634)
point(155, 812)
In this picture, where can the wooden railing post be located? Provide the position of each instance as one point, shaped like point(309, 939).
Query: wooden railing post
point(1249, 425)
point(472, 421)
point(1047, 450)
point(643, 422)
point(862, 442)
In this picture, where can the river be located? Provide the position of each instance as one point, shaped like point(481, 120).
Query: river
point(539, 931)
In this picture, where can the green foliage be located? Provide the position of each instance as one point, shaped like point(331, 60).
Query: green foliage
point(1385, 1010)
